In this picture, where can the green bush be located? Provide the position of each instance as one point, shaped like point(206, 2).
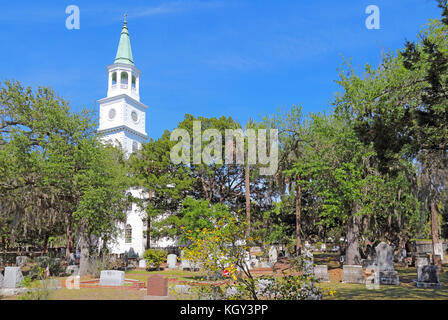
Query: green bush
point(154, 258)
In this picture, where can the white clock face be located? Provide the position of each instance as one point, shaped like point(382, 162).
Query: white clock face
point(134, 116)
point(112, 113)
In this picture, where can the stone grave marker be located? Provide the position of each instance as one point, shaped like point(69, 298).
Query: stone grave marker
point(171, 260)
point(72, 269)
point(385, 265)
point(142, 263)
point(353, 274)
point(323, 247)
point(321, 273)
point(438, 250)
point(112, 278)
point(308, 262)
point(428, 277)
point(21, 261)
point(157, 288)
point(273, 255)
point(13, 278)
point(422, 260)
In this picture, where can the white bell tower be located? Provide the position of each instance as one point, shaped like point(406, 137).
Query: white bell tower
point(122, 115)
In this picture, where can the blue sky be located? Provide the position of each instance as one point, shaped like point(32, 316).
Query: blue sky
point(239, 58)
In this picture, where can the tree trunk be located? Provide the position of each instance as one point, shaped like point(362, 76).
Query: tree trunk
point(352, 256)
point(68, 237)
point(148, 223)
point(434, 224)
point(247, 187)
point(85, 254)
point(45, 246)
point(298, 213)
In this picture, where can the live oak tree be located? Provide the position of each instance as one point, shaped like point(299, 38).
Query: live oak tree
point(402, 109)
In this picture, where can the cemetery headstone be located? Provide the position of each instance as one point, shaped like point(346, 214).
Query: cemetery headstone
point(428, 277)
point(353, 274)
point(73, 269)
point(21, 261)
point(112, 278)
point(171, 261)
point(438, 249)
point(13, 278)
point(323, 247)
point(321, 273)
point(157, 288)
point(142, 263)
point(308, 262)
point(385, 265)
point(422, 260)
point(273, 255)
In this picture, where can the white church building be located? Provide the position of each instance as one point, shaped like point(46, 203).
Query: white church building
point(122, 120)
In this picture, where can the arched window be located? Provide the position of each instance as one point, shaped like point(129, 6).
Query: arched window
point(124, 78)
point(114, 78)
point(129, 196)
point(134, 80)
point(128, 234)
point(134, 146)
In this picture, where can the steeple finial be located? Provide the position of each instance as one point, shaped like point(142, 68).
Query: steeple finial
point(124, 52)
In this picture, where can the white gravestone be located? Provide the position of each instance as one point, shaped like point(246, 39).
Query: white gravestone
point(353, 274)
point(112, 278)
point(323, 247)
point(308, 262)
point(142, 263)
point(13, 278)
point(321, 273)
point(438, 250)
point(273, 255)
point(171, 260)
point(73, 269)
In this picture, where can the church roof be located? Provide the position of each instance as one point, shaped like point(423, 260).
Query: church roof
point(124, 52)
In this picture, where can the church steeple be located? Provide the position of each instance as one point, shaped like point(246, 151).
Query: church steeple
point(124, 52)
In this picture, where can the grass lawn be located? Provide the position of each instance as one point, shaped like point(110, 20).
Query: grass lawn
point(343, 291)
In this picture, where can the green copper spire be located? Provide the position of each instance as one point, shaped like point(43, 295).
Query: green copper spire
point(124, 52)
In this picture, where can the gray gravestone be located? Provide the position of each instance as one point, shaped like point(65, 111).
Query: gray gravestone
point(428, 277)
point(73, 269)
point(112, 278)
point(385, 264)
point(353, 274)
point(273, 255)
point(308, 262)
point(21, 261)
point(171, 261)
point(13, 278)
point(321, 273)
point(422, 260)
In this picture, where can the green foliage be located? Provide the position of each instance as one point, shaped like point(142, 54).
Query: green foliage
point(154, 258)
